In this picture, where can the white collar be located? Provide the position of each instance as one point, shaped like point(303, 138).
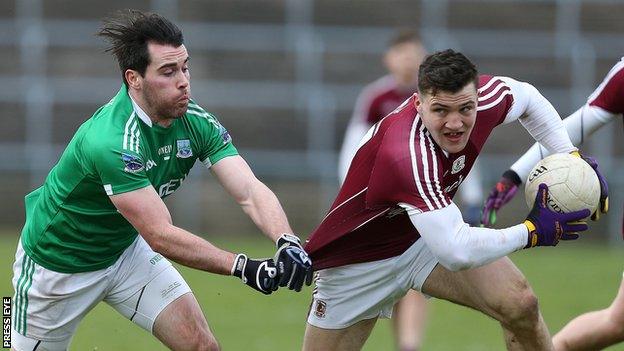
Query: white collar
point(139, 112)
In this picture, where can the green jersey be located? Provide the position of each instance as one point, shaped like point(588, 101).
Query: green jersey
point(71, 224)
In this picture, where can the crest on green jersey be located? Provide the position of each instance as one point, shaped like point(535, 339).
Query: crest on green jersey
point(225, 136)
point(133, 163)
point(184, 149)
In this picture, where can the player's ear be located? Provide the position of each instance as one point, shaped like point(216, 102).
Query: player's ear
point(133, 78)
point(417, 102)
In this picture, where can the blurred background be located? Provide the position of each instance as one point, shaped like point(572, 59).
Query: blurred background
point(283, 76)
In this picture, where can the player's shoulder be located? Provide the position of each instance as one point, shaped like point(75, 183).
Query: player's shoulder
point(197, 115)
point(112, 123)
point(615, 76)
point(402, 116)
point(206, 123)
point(494, 95)
point(379, 88)
point(608, 94)
point(397, 131)
point(491, 88)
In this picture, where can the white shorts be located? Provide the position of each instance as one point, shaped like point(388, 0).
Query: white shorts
point(48, 305)
point(348, 294)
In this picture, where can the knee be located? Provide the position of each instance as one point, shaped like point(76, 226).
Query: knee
point(520, 308)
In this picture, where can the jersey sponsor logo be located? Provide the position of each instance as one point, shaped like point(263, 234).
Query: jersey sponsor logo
point(165, 151)
point(133, 163)
point(184, 148)
point(169, 187)
point(458, 164)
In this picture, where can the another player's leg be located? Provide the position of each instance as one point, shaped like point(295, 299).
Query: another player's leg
point(594, 330)
point(409, 317)
point(347, 339)
point(499, 290)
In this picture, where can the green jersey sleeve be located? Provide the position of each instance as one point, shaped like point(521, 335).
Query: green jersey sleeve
point(215, 143)
point(119, 169)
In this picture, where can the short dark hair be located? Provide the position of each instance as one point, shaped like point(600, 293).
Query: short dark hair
point(403, 36)
point(129, 32)
point(446, 70)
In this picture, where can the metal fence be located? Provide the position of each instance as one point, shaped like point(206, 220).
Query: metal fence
point(320, 104)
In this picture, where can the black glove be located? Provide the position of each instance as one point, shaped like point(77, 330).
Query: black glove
point(259, 274)
point(293, 264)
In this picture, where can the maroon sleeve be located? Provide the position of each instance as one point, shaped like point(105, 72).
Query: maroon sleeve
point(610, 93)
point(407, 169)
point(495, 99)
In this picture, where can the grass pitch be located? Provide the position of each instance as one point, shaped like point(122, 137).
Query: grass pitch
point(570, 279)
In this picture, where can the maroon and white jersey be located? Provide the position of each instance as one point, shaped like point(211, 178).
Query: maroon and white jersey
point(399, 164)
point(380, 98)
point(376, 101)
point(610, 93)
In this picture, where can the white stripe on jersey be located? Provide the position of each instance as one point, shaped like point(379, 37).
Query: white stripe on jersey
point(494, 91)
point(136, 137)
point(436, 180)
point(488, 84)
point(400, 107)
point(126, 132)
point(370, 219)
point(492, 104)
point(415, 163)
point(197, 113)
point(618, 67)
point(195, 110)
point(132, 135)
point(344, 202)
point(425, 161)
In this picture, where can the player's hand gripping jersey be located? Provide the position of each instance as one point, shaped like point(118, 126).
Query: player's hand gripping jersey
point(71, 224)
point(399, 171)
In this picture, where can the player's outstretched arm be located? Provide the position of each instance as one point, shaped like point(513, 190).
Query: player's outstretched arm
point(541, 120)
point(262, 206)
point(147, 213)
point(579, 126)
point(458, 246)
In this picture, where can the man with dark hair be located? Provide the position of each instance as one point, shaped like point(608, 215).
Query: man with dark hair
point(394, 227)
point(97, 230)
point(404, 54)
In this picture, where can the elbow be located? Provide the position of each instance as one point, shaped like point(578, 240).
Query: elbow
point(155, 238)
point(456, 260)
